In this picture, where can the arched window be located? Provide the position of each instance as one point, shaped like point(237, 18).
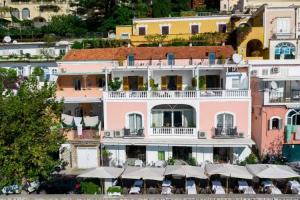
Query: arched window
point(285, 50)
point(25, 13)
point(134, 122)
point(293, 117)
point(16, 13)
point(275, 123)
point(225, 121)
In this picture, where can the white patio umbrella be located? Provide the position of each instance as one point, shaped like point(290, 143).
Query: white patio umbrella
point(228, 170)
point(186, 171)
point(271, 171)
point(145, 173)
point(103, 173)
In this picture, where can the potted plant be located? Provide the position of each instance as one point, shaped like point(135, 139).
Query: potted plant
point(115, 84)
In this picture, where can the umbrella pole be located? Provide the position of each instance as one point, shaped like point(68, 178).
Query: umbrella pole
point(145, 190)
point(227, 185)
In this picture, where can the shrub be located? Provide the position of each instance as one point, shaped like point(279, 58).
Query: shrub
point(114, 189)
point(171, 161)
point(251, 159)
point(89, 188)
point(115, 84)
point(192, 161)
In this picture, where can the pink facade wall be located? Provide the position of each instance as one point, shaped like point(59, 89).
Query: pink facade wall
point(116, 114)
point(84, 67)
point(209, 110)
point(165, 62)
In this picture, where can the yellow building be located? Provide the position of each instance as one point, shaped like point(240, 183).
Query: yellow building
point(38, 11)
point(175, 27)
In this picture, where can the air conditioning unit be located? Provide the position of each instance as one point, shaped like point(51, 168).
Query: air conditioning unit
point(118, 134)
point(108, 134)
point(275, 70)
point(202, 134)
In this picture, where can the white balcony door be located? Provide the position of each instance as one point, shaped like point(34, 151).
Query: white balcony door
point(283, 25)
point(135, 122)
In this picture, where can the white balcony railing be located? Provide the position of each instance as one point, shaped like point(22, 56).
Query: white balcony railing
point(177, 94)
point(173, 131)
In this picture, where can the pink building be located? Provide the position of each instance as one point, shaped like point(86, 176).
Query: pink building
point(275, 113)
point(156, 103)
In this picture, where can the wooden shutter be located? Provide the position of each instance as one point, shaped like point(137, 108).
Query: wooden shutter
point(125, 83)
point(140, 83)
point(163, 83)
point(179, 83)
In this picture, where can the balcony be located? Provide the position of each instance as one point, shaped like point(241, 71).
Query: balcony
point(87, 134)
point(174, 131)
point(226, 132)
point(274, 97)
point(177, 94)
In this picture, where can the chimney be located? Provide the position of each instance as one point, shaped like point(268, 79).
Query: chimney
point(128, 45)
point(159, 44)
point(190, 44)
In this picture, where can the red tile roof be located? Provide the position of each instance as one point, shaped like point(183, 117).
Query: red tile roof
point(146, 53)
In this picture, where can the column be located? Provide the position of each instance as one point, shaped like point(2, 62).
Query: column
point(106, 81)
point(84, 80)
point(197, 78)
point(149, 77)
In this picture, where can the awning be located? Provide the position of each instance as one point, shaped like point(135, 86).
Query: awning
point(147, 173)
point(103, 172)
point(228, 170)
point(272, 171)
point(151, 141)
point(185, 171)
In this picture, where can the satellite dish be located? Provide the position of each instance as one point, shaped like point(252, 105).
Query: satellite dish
point(236, 58)
point(274, 85)
point(7, 39)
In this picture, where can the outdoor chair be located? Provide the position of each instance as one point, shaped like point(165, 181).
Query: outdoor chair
point(140, 132)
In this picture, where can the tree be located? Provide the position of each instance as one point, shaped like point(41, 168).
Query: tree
point(29, 132)
point(8, 79)
point(66, 25)
point(161, 8)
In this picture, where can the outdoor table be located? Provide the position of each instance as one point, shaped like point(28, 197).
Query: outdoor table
point(166, 190)
point(242, 185)
point(249, 190)
point(166, 183)
point(274, 190)
point(293, 184)
point(267, 183)
point(138, 183)
point(159, 163)
point(191, 187)
point(135, 190)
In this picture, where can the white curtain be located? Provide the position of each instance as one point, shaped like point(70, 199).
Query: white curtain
point(157, 119)
point(77, 121)
point(67, 119)
point(131, 123)
point(90, 121)
point(187, 120)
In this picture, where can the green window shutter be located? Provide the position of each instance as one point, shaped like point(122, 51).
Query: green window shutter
point(161, 155)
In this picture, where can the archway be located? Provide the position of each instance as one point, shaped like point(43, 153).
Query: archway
point(285, 50)
point(16, 13)
point(25, 13)
point(254, 48)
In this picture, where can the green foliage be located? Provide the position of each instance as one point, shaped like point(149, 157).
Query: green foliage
point(105, 153)
point(171, 161)
point(8, 78)
point(77, 45)
point(178, 42)
point(114, 189)
point(122, 15)
point(209, 39)
point(161, 8)
point(155, 39)
point(152, 84)
point(192, 161)
point(251, 159)
point(66, 25)
point(29, 132)
point(89, 188)
point(115, 84)
point(102, 43)
point(38, 71)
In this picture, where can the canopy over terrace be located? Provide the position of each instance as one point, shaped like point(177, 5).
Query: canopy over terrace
point(103, 173)
point(186, 171)
point(147, 173)
point(228, 170)
point(272, 171)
